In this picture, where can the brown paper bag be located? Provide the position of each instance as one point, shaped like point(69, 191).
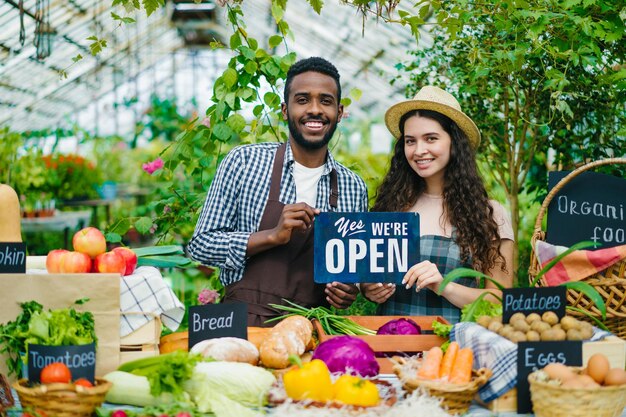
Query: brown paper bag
point(55, 291)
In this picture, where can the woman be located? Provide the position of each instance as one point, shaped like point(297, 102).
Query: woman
point(433, 172)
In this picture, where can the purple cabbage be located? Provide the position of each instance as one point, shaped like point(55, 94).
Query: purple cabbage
point(347, 354)
point(400, 327)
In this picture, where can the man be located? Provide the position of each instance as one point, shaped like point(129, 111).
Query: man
point(257, 221)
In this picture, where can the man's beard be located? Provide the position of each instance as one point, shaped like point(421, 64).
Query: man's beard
point(307, 144)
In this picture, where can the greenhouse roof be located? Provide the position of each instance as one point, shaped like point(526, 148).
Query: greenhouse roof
point(168, 54)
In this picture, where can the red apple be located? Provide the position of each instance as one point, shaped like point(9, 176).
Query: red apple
point(90, 241)
point(75, 263)
point(110, 262)
point(53, 260)
point(130, 258)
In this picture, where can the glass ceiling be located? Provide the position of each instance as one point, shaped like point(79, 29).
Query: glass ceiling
point(169, 56)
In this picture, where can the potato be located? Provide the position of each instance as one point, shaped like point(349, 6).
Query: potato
point(574, 334)
point(495, 326)
point(568, 323)
point(517, 316)
point(518, 336)
point(586, 330)
point(557, 327)
point(520, 325)
point(532, 317)
point(484, 321)
point(550, 317)
point(560, 334)
point(506, 331)
point(548, 335)
point(539, 326)
point(532, 336)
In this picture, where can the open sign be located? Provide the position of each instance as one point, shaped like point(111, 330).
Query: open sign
point(365, 247)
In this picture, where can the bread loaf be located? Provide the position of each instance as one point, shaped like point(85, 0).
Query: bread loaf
point(10, 220)
point(256, 335)
point(291, 336)
point(229, 349)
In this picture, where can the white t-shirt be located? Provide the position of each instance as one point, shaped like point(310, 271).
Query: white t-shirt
point(306, 183)
point(430, 209)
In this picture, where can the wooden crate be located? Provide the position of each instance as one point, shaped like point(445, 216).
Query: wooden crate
point(141, 343)
point(612, 347)
point(400, 344)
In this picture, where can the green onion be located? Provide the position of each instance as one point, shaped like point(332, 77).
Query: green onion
point(331, 323)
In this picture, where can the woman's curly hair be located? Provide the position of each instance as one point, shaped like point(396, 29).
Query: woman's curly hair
point(465, 199)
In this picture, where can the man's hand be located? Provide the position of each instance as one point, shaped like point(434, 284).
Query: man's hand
point(378, 292)
point(341, 295)
point(297, 216)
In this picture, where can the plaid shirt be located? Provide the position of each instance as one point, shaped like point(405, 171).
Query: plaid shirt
point(446, 254)
point(237, 198)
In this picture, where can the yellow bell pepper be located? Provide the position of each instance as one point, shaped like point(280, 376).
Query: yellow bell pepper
point(310, 381)
point(350, 389)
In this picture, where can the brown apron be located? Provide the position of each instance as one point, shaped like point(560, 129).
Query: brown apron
point(284, 271)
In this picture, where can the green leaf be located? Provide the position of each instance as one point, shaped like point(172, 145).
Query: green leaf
point(152, 5)
point(230, 77)
point(275, 40)
point(97, 45)
point(277, 12)
point(549, 265)
point(236, 122)
point(592, 317)
point(171, 261)
point(222, 131)
point(143, 225)
point(346, 101)
point(356, 94)
point(471, 309)
point(590, 292)
point(235, 41)
point(250, 67)
point(113, 237)
point(159, 250)
point(316, 5)
point(77, 58)
point(271, 99)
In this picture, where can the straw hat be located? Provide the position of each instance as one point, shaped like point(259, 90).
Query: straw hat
point(435, 99)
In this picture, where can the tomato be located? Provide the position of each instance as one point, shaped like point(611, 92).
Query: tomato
point(83, 382)
point(36, 413)
point(119, 413)
point(55, 372)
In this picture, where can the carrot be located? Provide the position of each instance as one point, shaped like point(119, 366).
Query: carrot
point(431, 363)
point(462, 369)
point(448, 360)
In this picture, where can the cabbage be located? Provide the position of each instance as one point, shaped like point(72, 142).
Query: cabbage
point(347, 354)
point(228, 388)
point(400, 327)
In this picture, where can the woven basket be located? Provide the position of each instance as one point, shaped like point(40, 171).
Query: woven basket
point(610, 283)
point(455, 398)
point(555, 401)
point(62, 400)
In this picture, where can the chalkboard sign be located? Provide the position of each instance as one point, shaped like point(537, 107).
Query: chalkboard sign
point(591, 206)
point(12, 258)
point(217, 320)
point(532, 356)
point(80, 359)
point(533, 300)
point(365, 247)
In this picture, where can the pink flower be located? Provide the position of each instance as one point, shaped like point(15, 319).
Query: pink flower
point(208, 296)
point(151, 167)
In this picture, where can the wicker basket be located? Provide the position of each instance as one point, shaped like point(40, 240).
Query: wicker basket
point(455, 398)
point(610, 283)
point(555, 401)
point(62, 400)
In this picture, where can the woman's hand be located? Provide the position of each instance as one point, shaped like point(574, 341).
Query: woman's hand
point(423, 275)
point(378, 292)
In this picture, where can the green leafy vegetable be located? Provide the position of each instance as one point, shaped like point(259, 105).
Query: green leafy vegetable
point(480, 307)
point(52, 328)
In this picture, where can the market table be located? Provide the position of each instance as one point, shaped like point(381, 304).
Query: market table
point(62, 221)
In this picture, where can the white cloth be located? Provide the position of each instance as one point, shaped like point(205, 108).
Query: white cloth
point(145, 291)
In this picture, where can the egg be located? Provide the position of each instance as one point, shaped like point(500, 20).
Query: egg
point(575, 383)
point(558, 371)
point(587, 381)
point(597, 367)
point(615, 376)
